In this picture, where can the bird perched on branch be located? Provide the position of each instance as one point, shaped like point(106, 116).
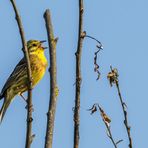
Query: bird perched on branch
point(17, 82)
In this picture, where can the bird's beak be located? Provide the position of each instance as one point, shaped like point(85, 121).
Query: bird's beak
point(45, 47)
point(43, 41)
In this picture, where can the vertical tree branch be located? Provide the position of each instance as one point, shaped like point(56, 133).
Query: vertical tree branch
point(29, 136)
point(53, 80)
point(78, 76)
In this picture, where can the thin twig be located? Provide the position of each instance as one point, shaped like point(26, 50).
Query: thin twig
point(53, 80)
point(110, 134)
point(29, 136)
point(78, 76)
point(113, 78)
point(99, 43)
point(106, 121)
point(96, 68)
point(100, 47)
point(125, 116)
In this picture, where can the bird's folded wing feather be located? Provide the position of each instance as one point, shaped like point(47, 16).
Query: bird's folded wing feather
point(18, 72)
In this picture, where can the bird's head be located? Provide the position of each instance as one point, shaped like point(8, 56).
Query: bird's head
point(35, 46)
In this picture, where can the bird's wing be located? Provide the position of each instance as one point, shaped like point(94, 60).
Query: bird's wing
point(17, 73)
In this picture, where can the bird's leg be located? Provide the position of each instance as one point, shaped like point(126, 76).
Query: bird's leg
point(23, 97)
point(31, 107)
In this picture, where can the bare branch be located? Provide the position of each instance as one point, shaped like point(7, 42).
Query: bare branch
point(113, 79)
point(53, 80)
point(29, 100)
point(78, 76)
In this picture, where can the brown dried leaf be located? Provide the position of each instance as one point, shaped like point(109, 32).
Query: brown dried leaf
point(104, 116)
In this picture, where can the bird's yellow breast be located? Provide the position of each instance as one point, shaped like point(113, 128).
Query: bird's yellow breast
point(38, 67)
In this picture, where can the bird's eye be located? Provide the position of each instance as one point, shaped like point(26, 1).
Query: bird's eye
point(34, 45)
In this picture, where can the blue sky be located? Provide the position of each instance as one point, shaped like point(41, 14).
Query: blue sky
point(121, 26)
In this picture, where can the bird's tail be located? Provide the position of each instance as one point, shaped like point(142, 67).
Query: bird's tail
point(4, 108)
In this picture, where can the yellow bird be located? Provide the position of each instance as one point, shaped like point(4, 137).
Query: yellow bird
point(17, 81)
